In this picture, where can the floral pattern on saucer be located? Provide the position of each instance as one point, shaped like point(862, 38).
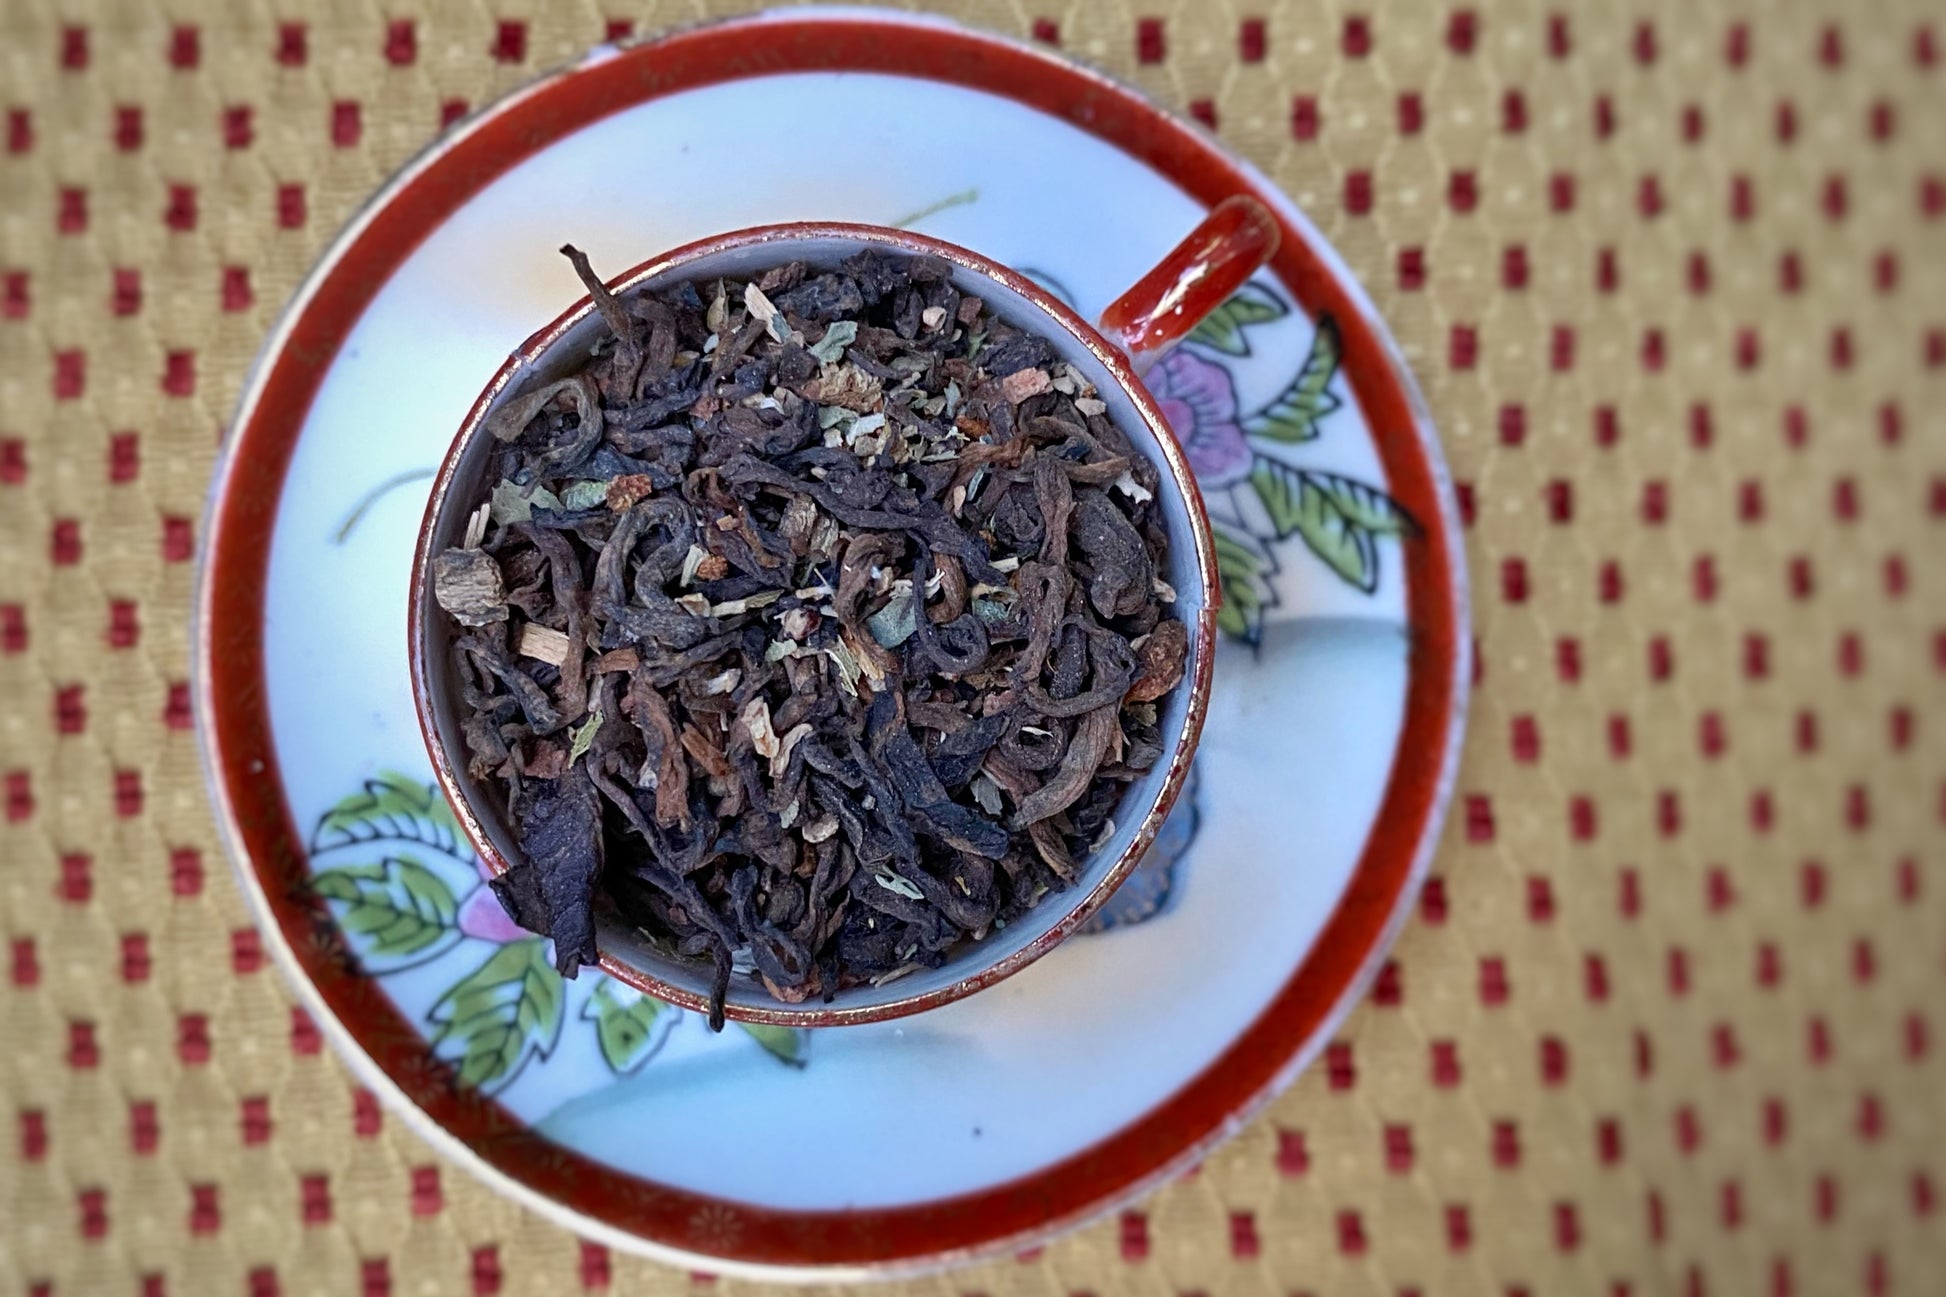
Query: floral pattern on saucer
point(407, 891)
point(1259, 496)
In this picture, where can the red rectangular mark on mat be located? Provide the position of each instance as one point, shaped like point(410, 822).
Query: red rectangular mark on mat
point(314, 1199)
point(1250, 40)
point(253, 1121)
point(185, 47)
point(509, 41)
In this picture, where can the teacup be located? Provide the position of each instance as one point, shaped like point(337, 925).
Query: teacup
point(1197, 276)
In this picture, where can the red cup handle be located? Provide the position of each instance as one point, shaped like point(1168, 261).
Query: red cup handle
point(1197, 276)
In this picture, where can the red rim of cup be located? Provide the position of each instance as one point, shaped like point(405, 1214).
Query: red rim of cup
point(390, 1053)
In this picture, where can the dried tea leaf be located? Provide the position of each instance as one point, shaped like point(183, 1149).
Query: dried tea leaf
point(466, 583)
point(1084, 756)
point(1123, 572)
point(550, 761)
point(511, 419)
point(624, 660)
point(1164, 653)
point(561, 837)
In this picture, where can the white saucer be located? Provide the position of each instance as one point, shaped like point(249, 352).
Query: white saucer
point(986, 1125)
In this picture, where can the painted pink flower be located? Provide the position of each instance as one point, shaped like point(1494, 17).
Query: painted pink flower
point(1201, 406)
point(481, 914)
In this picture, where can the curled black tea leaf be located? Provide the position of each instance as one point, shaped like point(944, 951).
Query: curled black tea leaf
point(560, 833)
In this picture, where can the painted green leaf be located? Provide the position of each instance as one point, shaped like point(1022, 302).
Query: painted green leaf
point(625, 1031)
point(503, 1012)
point(1242, 570)
point(1223, 330)
point(785, 1044)
point(1298, 502)
point(392, 805)
point(1364, 505)
point(401, 906)
point(1294, 415)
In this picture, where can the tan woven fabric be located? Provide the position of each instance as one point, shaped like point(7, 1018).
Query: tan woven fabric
point(1674, 279)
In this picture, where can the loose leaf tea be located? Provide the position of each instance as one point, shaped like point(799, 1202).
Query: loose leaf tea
point(816, 627)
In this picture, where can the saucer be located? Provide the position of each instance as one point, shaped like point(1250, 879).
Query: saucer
point(983, 1127)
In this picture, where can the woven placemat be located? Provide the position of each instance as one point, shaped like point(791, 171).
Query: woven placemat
point(1669, 1020)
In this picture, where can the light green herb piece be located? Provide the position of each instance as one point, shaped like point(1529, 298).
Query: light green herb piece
point(585, 736)
point(510, 504)
point(836, 338)
point(894, 624)
point(585, 495)
point(893, 883)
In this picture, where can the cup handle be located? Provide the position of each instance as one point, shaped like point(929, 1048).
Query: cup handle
point(1196, 276)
